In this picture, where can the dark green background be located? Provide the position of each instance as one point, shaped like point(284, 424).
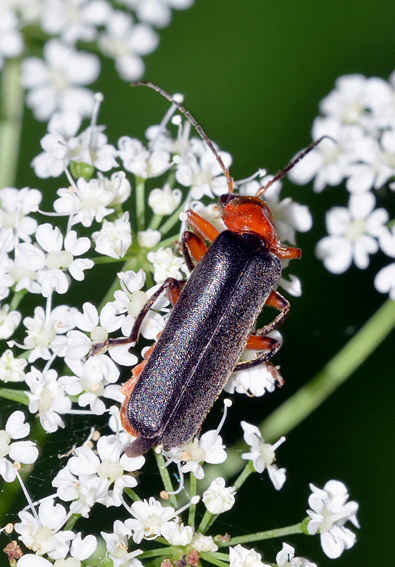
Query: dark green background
point(253, 74)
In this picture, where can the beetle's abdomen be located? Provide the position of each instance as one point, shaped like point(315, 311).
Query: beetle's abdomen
point(203, 339)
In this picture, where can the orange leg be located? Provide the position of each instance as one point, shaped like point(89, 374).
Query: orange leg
point(192, 247)
point(204, 229)
point(260, 340)
point(279, 302)
point(286, 252)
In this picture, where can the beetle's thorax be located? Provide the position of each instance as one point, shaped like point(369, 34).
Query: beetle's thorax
point(250, 214)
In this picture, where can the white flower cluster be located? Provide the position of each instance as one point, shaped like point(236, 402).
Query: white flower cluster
point(58, 80)
point(57, 376)
point(359, 116)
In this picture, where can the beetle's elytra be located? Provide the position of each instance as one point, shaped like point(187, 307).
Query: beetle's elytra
point(173, 389)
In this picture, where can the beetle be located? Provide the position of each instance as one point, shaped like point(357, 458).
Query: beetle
point(214, 312)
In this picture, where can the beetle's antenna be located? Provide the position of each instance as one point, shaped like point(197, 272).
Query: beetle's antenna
point(281, 173)
point(197, 126)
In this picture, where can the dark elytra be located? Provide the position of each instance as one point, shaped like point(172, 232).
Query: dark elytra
point(202, 341)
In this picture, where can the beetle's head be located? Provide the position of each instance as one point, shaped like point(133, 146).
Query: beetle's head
point(251, 214)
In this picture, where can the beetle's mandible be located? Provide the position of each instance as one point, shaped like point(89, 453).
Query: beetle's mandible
point(183, 373)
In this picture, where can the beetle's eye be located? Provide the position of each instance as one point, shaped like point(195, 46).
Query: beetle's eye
point(224, 199)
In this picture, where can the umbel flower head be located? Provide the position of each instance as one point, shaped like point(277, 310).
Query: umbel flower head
point(102, 215)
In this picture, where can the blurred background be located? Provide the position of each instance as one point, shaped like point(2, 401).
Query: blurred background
point(253, 74)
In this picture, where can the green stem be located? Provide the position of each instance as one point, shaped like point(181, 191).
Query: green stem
point(307, 399)
point(210, 558)
point(11, 114)
point(260, 536)
point(206, 522)
point(155, 222)
point(169, 551)
point(14, 395)
point(164, 473)
point(140, 203)
point(132, 494)
point(192, 493)
point(71, 522)
point(165, 243)
point(171, 221)
point(245, 473)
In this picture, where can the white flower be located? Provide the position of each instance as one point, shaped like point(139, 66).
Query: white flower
point(20, 451)
point(217, 498)
point(62, 127)
point(204, 175)
point(357, 100)
point(263, 454)
point(108, 464)
point(11, 39)
point(209, 448)
point(203, 543)
point(43, 536)
point(50, 261)
point(137, 159)
point(117, 546)
point(330, 511)
point(353, 234)
point(148, 238)
point(346, 101)
point(47, 397)
point(177, 534)
point(91, 147)
point(100, 365)
point(86, 202)
point(114, 238)
point(9, 321)
point(286, 558)
point(376, 163)
point(16, 204)
point(53, 82)
point(158, 12)
point(43, 331)
point(150, 519)
point(11, 368)
point(166, 264)
point(83, 548)
point(119, 185)
point(384, 281)
point(239, 556)
point(83, 492)
point(125, 41)
point(75, 19)
point(130, 300)
point(327, 161)
point(164, 201)
point(255, 381)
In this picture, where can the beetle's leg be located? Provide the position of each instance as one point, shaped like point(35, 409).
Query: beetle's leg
point(256, 342)
point(259, 340)
point(192, 247)
point(204, 229)
point(286, 252)
point(279, 302)
point(174, 292)
point(172, 286)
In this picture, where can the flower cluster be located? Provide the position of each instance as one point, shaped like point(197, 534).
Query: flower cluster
point(358, 120)
point(58, 80)
point(122, 203)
